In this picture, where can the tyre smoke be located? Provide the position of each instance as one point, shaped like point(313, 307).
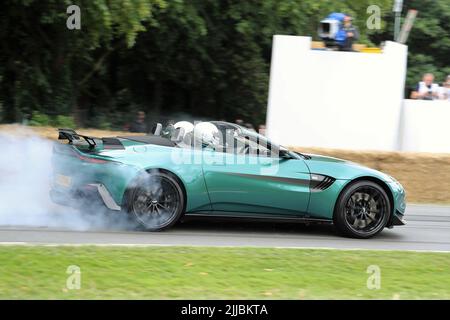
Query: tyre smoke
point(25, 180)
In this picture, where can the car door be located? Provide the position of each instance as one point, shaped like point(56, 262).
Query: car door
point(256, 183)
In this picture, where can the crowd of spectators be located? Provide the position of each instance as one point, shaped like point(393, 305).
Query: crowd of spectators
point(427, 89)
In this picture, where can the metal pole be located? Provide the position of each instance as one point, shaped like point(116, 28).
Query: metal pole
point(406, 28)
point(397, 8)
point(397, 26)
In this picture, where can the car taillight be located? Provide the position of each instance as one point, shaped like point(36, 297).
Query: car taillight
point(71, 152)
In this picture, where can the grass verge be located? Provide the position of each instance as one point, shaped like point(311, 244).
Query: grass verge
point(39, 272)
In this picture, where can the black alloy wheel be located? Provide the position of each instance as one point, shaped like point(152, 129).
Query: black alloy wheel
point(156, 201)
point(362, 210)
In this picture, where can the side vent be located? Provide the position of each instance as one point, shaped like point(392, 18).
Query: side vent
point(320, 182)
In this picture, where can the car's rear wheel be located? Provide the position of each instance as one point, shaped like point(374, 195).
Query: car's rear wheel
point(156, 200)
point(362, 210)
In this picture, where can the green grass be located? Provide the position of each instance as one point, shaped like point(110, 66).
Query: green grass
point(39, 272)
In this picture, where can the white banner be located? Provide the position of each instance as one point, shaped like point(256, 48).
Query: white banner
point(425, 126)
point(331, 99)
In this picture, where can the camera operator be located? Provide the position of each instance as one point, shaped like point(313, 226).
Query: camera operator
point(349, 33)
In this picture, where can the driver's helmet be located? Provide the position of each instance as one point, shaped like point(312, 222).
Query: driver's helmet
point(206, 134)
point(183, 127)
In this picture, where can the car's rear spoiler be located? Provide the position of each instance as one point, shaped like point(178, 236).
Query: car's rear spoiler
point(72, 135)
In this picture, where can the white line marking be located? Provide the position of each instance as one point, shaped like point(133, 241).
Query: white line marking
point(143, 245)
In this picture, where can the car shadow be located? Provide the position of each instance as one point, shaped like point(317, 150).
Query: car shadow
point(239, 225)
point(235, 225)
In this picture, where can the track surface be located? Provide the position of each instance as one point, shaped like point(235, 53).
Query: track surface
point(428, 229)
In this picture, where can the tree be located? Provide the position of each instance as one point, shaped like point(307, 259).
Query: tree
point(201, 58)
point(46, 66)
point(428, 42)
point(212, 58)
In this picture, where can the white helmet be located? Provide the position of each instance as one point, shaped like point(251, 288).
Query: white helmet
point(206, 134)
point(184, 129)
point(184, 126)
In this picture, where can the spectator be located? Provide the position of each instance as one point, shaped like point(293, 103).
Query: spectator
point(262, 129)
point(249, 126)
point(139, 124)
point(444, 93)
point(239, 122)
point(426, 89)
point(349, 33)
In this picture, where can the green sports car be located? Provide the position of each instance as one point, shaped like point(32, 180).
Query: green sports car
point(220, 169)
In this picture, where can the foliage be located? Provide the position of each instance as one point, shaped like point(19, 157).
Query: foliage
point(429, 39)
point(42, 120)
point(429, 43)
point(102, 122)
point(39, 119)
point(207, 59)
point(64, 122)
point(49, 68)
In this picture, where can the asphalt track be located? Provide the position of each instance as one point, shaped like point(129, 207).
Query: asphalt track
point(427, 229)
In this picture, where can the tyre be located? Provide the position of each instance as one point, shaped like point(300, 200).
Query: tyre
point(362, 210)
point(156, 200)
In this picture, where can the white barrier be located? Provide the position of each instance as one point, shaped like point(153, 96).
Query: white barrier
point(330, 99)
point(425, 126)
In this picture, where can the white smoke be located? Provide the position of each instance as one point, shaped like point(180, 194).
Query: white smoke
point(25, 179)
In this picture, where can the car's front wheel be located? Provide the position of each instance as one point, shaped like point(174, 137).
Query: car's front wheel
point(156, 200)
point(362, 210)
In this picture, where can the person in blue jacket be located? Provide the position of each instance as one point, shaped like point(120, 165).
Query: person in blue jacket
point(347, 34)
